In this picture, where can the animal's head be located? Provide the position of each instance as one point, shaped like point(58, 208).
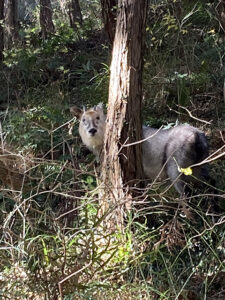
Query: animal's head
point(92, 126)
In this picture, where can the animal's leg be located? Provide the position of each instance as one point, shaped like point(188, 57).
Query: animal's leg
point(176, 178)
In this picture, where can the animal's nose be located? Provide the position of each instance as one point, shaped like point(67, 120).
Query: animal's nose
point(92, 131)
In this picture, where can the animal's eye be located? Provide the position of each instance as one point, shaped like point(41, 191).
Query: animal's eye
point(97, 118)
point(83, 120)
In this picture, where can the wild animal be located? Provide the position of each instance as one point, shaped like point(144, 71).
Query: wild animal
point(91, 127)
point(166, 152)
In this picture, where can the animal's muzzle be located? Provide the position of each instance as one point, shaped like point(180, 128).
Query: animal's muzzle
point(92, 131)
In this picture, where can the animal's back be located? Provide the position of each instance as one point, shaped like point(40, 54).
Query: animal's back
point(167, 150)
point(187, 144)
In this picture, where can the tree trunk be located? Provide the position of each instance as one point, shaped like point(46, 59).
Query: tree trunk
point(122, 165)
point(75, 15)
point(46, 23)
point(1, 29)
point(109, 11)
point(11, 23)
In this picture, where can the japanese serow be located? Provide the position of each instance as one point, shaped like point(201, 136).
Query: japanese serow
point(166, 152)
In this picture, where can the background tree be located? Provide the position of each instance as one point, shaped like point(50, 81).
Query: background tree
point(74, 13)
point(123, 165)
point(11, 22)
point(1, 29)
point(109, 10)
point(46, 22)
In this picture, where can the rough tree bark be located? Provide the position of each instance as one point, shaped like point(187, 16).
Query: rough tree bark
point(109, 12)
point(122, 165)
point(75, 15)
point(1, 29)
point(46, 23)
point(11, 23)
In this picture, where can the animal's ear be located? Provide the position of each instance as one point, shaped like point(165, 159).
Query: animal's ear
point(75, 111)
point(99, 106)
